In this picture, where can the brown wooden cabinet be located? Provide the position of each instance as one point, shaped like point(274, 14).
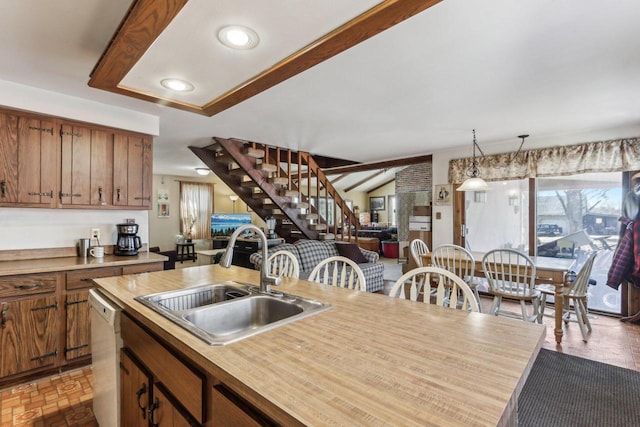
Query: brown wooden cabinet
point(29, 320)
point(177, 402)
point(75, 185)
point(78, 325)
point(132, 160)
point(45, 319)
point(176, 392)
point(51, 162)
point(29, 160)
point(135, 392)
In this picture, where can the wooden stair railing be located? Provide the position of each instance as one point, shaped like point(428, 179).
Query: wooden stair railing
point(277, 192)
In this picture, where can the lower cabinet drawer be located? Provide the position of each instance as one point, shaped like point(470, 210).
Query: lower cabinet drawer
point(185, 384)
point(142, 268)
point(82, 278)
point(228, 410)
point(27, 284)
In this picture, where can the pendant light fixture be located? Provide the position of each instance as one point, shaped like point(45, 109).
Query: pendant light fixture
point(474, 182)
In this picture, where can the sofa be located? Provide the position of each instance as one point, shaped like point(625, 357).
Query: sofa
point(309, 253)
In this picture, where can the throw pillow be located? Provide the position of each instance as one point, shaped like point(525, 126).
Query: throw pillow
point(351, 251)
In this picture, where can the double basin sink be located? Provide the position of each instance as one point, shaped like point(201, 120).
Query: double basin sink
point(223, 313)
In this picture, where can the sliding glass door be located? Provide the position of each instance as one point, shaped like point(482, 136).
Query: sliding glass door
point(560, 217)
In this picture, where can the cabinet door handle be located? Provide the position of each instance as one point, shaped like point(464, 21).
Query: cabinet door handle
point(4, 318)
point(45, 307)
point(118, 194)
point(54, 353)
point(100, 194)
point(152, 408)
point(27, 286)
point(139, 393)
point(3, 188)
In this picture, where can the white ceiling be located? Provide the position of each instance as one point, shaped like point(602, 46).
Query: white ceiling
point(551, 68)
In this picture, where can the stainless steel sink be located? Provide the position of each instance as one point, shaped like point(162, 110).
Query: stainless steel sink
point(223, 313)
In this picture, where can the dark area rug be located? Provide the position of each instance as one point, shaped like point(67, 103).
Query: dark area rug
point(569, 391)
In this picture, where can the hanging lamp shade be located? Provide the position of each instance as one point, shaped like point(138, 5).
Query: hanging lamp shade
point(474, 184)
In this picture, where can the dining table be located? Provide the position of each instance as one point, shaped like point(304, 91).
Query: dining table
point(549, 270)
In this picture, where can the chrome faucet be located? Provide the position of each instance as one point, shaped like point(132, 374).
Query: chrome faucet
point(265, 279)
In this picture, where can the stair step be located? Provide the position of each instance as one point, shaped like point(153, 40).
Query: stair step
point(308, 216)
point(290, 193)
point(249, 184)
point(299, 205)
point(279, 180)
point(267, 167)
point(280, 216)
point(260, 195)
point(224, 159)
point(256, 153)
point(216, 147)
point(237, 172)
point(318, 226)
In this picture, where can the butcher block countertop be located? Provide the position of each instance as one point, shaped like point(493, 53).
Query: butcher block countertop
point(369, 360)
point(48, 265)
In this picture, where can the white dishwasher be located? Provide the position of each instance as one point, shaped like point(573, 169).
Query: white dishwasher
point(106, 343)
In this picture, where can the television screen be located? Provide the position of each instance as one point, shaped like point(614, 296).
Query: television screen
point(224, 224)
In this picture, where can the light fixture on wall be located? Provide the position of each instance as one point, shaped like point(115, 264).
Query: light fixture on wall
point(474, 182)
point(203, 171)
point(233, 198)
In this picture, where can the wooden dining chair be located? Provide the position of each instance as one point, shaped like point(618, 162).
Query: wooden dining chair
point(339, 271)
point(451, 290)
point(512, 274)
point(576, 294)
point(418, 247)
point(459, 261)
point(284, 264)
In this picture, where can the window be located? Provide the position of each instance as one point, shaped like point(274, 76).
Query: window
point(324, 211)
point(576, 215)
point(196, 206)
point(498, 218)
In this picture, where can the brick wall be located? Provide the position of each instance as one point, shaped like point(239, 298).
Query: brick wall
point(413, 188)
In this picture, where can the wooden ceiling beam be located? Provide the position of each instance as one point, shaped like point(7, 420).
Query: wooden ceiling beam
point(363, 181)
point(147, 19)
point(382, 185)
point(361, 167)
point(344, 175)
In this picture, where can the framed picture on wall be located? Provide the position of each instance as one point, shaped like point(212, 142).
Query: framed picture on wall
point(376, 203)
point(163, 203)
point(443, 194)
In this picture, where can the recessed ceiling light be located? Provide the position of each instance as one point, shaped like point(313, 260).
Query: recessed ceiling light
point(238, 37)
point(177, 85)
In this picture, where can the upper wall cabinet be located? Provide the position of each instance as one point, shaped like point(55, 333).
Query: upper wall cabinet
point(48, 162)
point(132, 170)
point(29, 160)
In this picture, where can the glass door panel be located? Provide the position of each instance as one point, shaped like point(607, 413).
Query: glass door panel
point(498, 218)
point(577, 215)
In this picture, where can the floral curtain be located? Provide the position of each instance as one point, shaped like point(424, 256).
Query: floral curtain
point(603, 156)
point(196, 206)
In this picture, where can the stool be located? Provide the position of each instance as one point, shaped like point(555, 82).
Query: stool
point(190, 252)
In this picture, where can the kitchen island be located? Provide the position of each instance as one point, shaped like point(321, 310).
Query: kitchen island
point(368, 360)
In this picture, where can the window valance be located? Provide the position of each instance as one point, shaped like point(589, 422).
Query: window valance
point(602, 156)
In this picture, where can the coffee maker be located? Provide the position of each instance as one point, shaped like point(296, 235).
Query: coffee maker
point(128, 243)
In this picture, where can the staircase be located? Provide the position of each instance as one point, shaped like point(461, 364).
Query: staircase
point(278, 182)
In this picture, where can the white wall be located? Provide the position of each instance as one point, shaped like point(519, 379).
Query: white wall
point(57, 104)
point(24, 228)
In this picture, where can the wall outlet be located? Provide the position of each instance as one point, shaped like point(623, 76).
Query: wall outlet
point(95, 233)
